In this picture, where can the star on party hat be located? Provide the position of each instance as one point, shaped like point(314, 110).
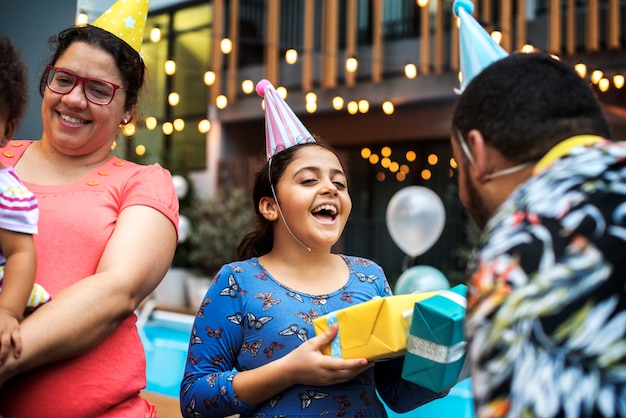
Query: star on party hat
point(283, 129)
point(477, 49)
point(126, 19)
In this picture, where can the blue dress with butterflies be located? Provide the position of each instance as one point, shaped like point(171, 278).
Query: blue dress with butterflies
point(248, 319)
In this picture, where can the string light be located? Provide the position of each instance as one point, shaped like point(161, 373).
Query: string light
point(226, 46)
point(168, 128)
point(291, 56)
point(581, 69)
point(140, 150)
point(170, 67)
point(82, 19)
point(173, 99)
point(353, 107)
point(221, 101)
point(410, 71)
point(151, 122)
point(388, 107)
point(496, 35)
point(352, 64)
point(209, 78)
point(204, 126)
point(155, 34)
point(618, 81)
point(603, 84)
point(364, 106)
point(596, 75)
point(247, 86)
point(179, 124)
point(338, 102)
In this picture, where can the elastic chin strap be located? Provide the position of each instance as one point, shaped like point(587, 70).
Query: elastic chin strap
point(508, 171)
point(269, 175)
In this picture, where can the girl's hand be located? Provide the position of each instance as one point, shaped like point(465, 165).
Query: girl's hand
point(311, 367)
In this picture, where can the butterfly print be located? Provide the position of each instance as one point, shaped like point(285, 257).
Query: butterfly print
point(267, 298)
point(255, 323)
point(217, 360)
point(194, 339)
point(236, 268)
point(365, 399)
point(193, 360)
point(320, 300)
point(236, 319)
point(346, 296)
point(232, 289)
point(274, 401)
point(217, 333)
point(307, 397)
point(216, 278)
point(253, 348)
point(295, 295)
point(343, 401)
point(363, 261)
point(308, 318)
point(262, 275)
point(209, 404)
point(370, 278)
point(212, 379)
point(269, 350)
point(190, 410)
point(301, 333)
point(205, 302)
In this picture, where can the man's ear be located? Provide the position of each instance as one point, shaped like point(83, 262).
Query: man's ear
point(9, 131)
point(478, 148)
point(268, 208)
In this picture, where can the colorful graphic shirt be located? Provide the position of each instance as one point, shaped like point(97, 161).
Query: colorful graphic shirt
point(547, 309)
point(18, 208)
point(249, 319)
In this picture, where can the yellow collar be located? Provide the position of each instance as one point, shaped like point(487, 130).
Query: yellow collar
point(563, 148)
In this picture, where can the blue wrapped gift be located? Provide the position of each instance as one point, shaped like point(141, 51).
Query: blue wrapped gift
point(436, 347)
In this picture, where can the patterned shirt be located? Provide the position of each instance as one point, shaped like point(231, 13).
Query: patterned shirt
point(546, 318)
point(249, 319)
point(18, 208)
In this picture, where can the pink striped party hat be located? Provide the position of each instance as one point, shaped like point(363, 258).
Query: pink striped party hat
point(283, 129)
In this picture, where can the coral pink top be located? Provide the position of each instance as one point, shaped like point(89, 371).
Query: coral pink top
point(75, 223)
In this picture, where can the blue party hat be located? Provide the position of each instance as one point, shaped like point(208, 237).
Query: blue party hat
point(476, 47)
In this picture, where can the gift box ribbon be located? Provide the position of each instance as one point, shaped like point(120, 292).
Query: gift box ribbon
point(439, 353)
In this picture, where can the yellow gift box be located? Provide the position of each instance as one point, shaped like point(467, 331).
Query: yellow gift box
point(374, 329)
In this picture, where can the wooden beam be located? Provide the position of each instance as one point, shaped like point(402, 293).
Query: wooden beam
point(272, 42)
point(308, 45)
point(378, 17)
point(351, 38)
point(232, 81)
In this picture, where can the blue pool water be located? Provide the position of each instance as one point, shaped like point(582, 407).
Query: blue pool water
point(165, 337)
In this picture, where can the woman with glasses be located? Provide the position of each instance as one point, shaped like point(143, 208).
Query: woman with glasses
point(107, 235)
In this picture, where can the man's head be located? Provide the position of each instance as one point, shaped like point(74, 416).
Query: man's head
point(509, 116)
point(525, 104)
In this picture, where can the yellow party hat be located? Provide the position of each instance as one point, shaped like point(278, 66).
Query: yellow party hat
point(126, 19)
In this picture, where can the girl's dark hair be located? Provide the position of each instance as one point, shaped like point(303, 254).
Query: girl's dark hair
point(129, 62)
point(13, 81)
point(260, 240)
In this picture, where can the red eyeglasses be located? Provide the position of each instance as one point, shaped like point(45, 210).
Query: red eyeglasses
point(97, 91)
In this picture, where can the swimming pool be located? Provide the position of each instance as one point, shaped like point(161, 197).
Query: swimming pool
point(165, 337)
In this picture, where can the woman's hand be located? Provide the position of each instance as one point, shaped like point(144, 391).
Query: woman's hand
point(10, 339)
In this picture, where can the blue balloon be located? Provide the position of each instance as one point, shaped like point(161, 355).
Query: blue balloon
point(421, 279)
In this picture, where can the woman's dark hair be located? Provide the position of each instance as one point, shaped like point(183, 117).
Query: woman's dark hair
point(261, 239)
point(13, 81)
point(129, 62)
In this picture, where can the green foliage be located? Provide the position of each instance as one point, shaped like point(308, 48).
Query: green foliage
point(217, 226)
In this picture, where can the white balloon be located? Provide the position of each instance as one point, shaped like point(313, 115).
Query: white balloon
point(415, 219)
point(180, 185)
point(184, 224)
